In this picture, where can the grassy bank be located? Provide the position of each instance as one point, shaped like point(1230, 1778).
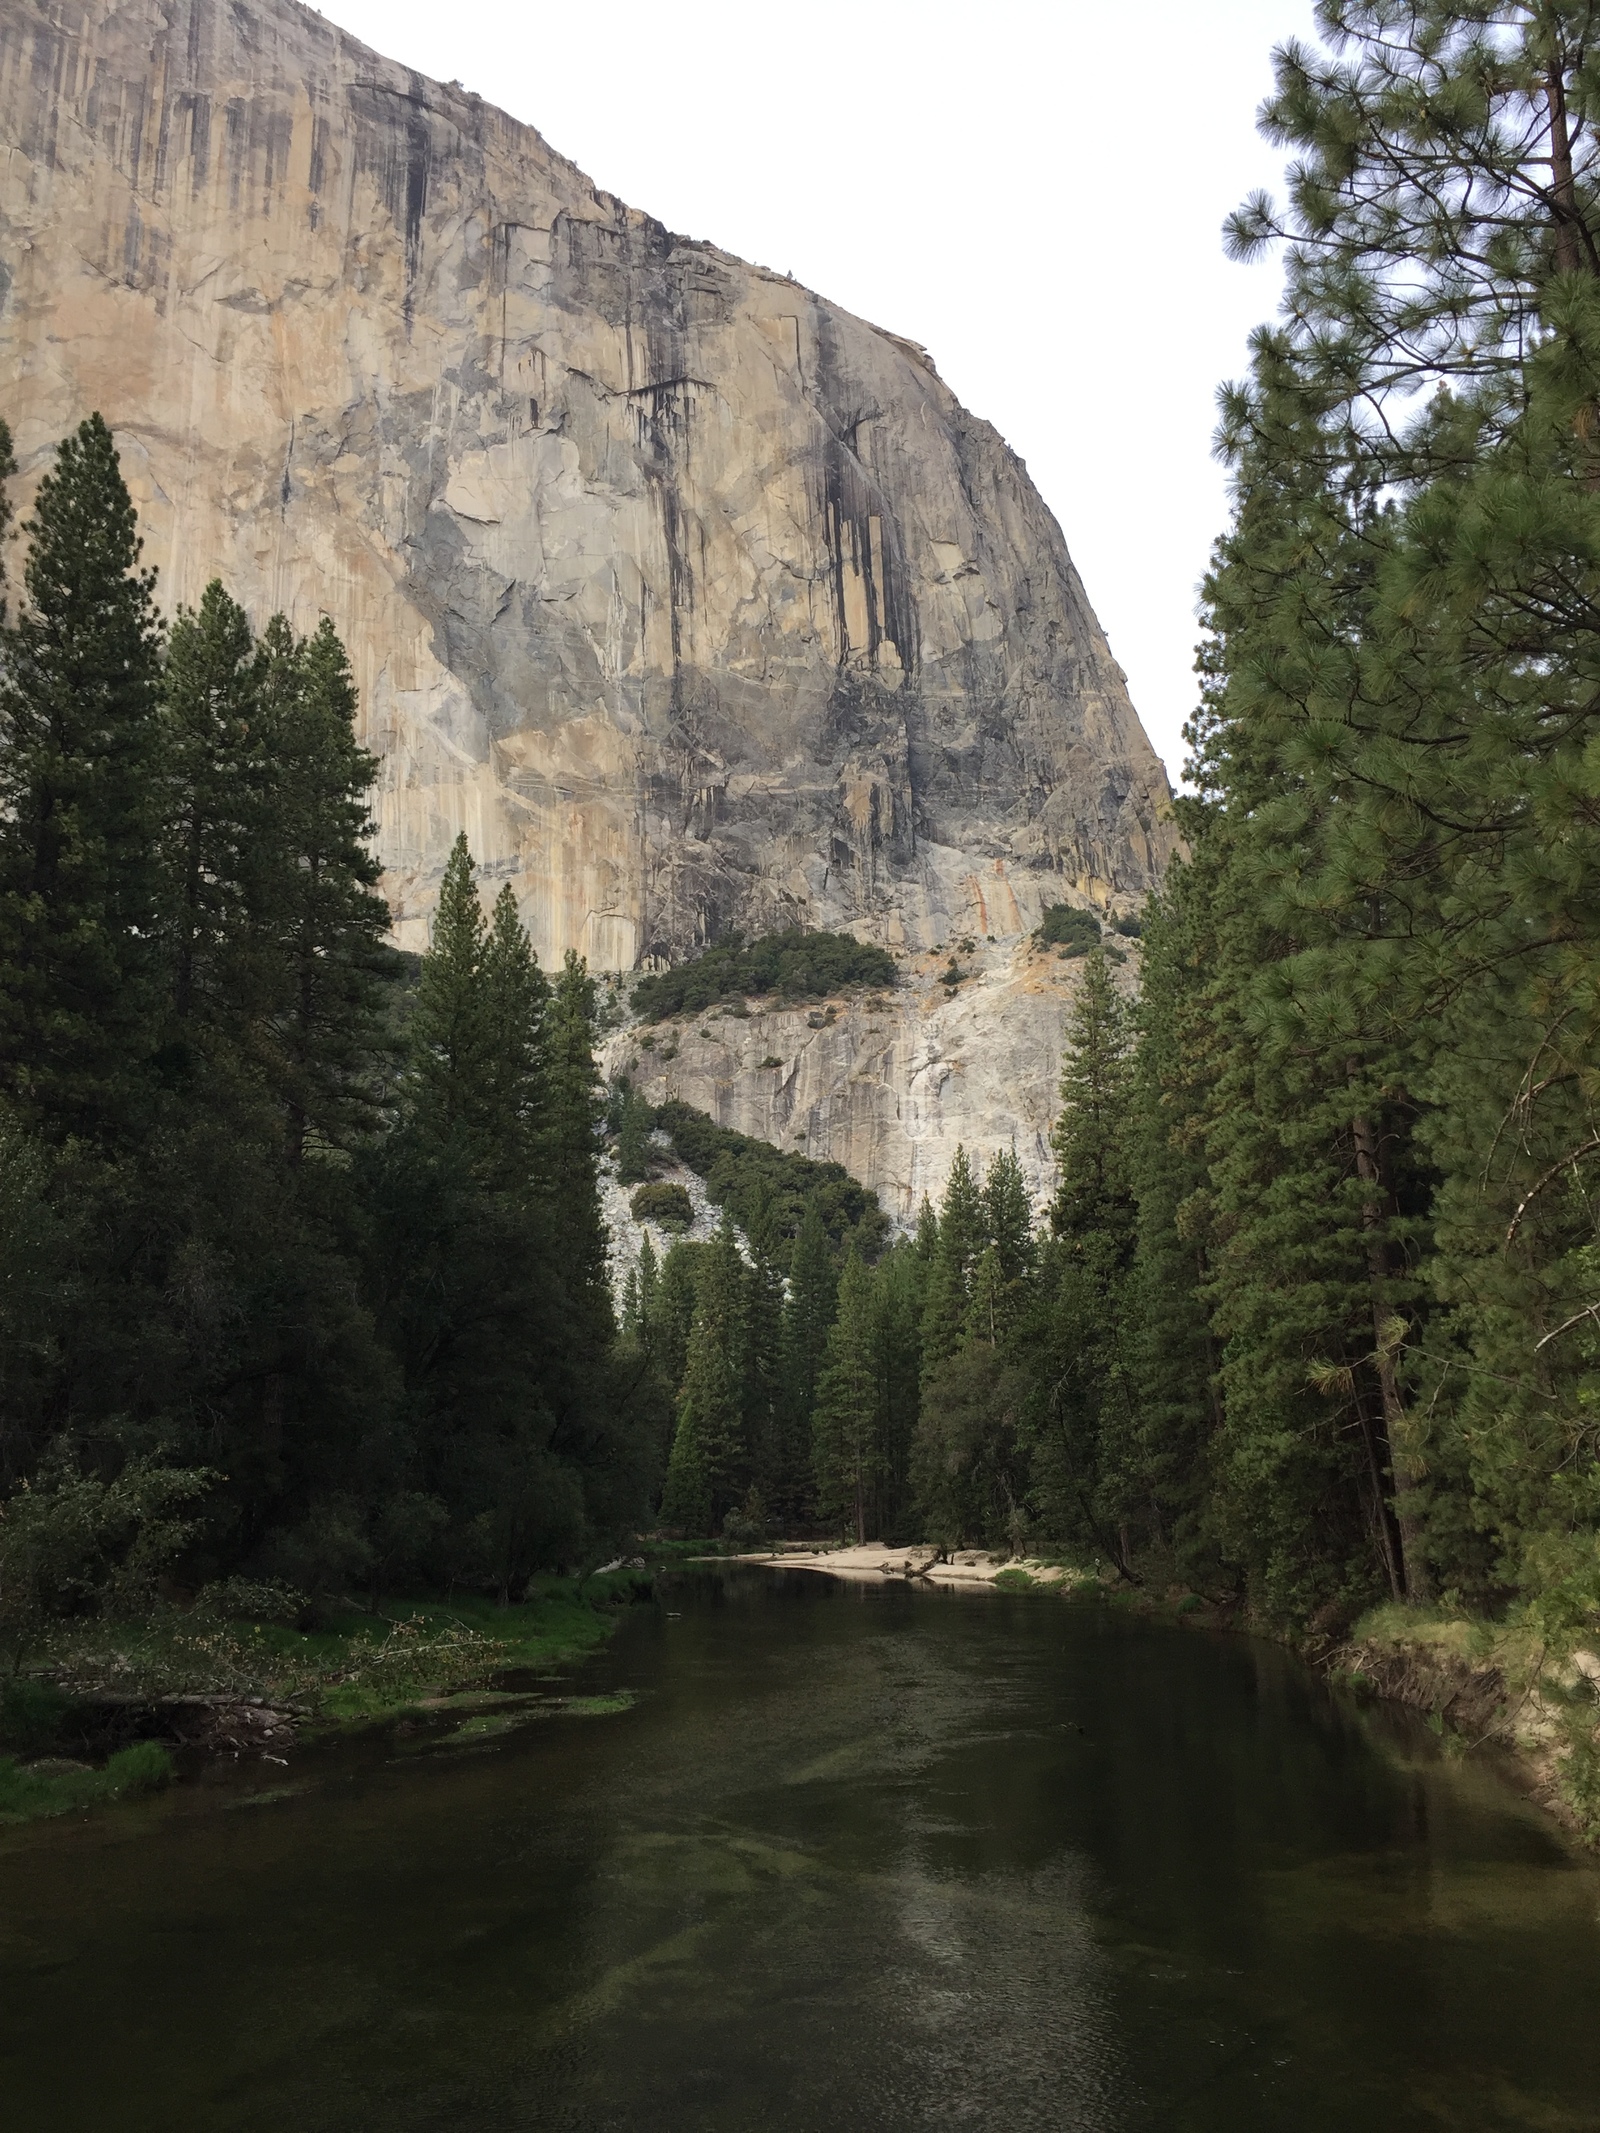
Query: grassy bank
point(96, 1717)
point(1509, 1685)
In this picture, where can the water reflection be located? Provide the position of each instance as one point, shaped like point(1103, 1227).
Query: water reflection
point(853, 1859)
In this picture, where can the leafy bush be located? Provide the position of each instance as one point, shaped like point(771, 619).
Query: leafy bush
point(1065, 926)
point(766, 1188)
point(664, 1202)
point(72, 1543)
point(795, 965)
point(1129, 928)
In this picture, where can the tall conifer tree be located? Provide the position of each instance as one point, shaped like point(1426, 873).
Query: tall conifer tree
point(79, 800)
point(846, 1448)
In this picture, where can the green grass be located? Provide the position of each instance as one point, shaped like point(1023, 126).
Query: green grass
point(31, 1792)
point(355, 1666)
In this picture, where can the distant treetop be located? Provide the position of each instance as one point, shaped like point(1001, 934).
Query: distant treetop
point(795, 964)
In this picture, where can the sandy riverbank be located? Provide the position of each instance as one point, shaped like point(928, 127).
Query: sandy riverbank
point(876, 1562)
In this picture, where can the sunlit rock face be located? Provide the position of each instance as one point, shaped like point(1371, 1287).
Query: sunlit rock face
point(694, 600)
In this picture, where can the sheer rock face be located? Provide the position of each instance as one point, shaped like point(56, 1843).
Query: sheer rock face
point(888, 1084)
point(694, 600)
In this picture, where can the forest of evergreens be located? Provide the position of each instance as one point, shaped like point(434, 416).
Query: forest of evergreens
point(302, 1266)
point(302, 1269)
point(1314, 1321)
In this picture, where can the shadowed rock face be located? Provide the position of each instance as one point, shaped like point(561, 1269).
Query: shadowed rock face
point(694, 600)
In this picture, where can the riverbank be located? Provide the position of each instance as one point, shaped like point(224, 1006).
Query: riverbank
point(1503, 1686)
point(113, 1708)
point(924, 1565)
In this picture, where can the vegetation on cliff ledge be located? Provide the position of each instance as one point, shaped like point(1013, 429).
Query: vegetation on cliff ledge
point(792, 965)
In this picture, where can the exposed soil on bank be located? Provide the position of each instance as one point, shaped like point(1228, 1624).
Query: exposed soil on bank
point(1499, 1687)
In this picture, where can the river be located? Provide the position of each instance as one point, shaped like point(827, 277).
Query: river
point(853, 1860)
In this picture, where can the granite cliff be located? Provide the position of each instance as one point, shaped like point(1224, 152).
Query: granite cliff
point(696, 601)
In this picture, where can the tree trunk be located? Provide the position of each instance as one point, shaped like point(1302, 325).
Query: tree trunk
point(1396, 1424)
point(1575, 250)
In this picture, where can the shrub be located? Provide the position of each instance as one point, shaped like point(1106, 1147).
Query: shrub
point(663, 1203)
point(72, 1543)
point(1065, 926)
point(1129, 928)
point(794, 965)
point(145, 1767)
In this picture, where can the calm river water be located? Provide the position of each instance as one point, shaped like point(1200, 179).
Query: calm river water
point(854, 1861)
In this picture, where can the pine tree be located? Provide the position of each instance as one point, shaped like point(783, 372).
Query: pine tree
point(846, 1449)
point(320, 918)
point(1008, 1218)
point(1082, 1425)
point(215, 782)
point(515, 1001)
point(706, 1474)
point(959, 1244)
point(899, 1298)
point(635, 1155)
point(1093, 1208)
point(1174, 1353)
point(79, 801)
point(450, 1032)
point(761, 1371)
point(673, 1318)
point(808, 1313)
point(574, 1109)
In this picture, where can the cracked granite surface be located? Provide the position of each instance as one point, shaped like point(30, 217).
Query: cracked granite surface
point(696, 601)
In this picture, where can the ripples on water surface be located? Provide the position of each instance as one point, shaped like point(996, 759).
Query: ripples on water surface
point(855, 1861)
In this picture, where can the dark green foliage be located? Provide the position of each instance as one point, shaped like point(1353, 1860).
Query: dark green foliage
point(636, 1158)
point(709, 1472)
point(80, 810)
point(663, 1202)
point(956, 1246)
point(769, 1188)
point(793, 965)
point(320, 917)
point(70, 1541)
point(845, 1428)
point(1065, 926)
point(967, 1463)
point(270, 1214)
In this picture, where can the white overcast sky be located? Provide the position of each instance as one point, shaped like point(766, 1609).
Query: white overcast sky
point(1034, 189)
